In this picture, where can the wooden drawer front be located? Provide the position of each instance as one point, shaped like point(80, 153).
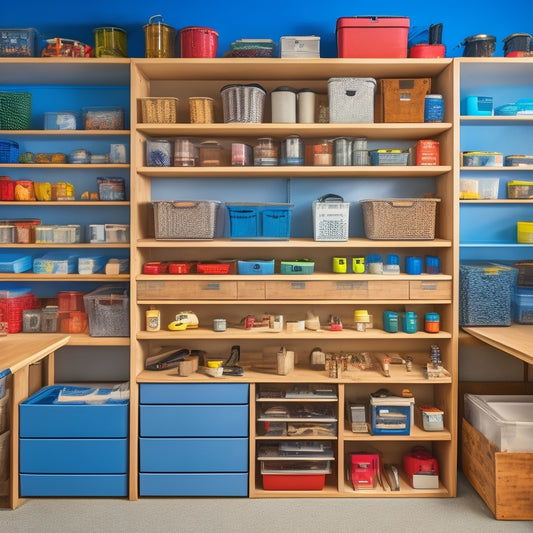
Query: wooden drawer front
point(337, 290)
point(430, 290)
point(194, 420)
point(212, 484)
point(74, 456)
point(197, 290)
point(68, 485)
point(194, 393)
point(194, 455)
point(251, 290)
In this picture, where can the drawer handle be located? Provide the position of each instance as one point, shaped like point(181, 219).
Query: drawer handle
point(429, 286)
point(298, 285)
point(351, 285)
point(212, 287)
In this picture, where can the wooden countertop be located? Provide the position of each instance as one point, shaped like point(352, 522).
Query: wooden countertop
point(22, 349)
point(516, 340)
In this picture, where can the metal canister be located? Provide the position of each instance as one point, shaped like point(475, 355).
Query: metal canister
point(110, 42)
point(342, 151)
point(159, 38)
point(292, 151)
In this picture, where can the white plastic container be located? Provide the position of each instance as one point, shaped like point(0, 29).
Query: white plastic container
point(283, 105)
point(506, 420)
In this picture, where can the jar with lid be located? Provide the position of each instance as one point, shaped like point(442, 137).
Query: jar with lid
point(210, 154)
point(185, 153)
point(360, 152)
point(266, 152)
point(241, 155)
point(158, 153)
point(362, 320)
point(158, 38)
point(432, 323)
point(323, 153)
point(409, 322)
point(306, 106)
point(292, 151)
point(342, 151)
point(283, 105)
point(374, 264)
point(433, 108)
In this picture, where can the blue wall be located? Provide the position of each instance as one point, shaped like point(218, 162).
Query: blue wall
point(270, 20)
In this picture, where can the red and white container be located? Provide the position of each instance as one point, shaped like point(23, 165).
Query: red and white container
point(196, 41)
point(372, 37)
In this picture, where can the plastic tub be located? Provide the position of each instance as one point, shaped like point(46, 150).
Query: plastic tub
point(480, 45)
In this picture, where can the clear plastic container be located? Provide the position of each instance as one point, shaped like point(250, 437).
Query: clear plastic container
point(266, 152)
point(185, 153)
point(210, 154)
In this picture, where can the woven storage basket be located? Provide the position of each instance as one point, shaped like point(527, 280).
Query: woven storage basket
point(159, 110)
point(351, 100)
point(15, 111)
point(400, 218)
point(243, 103)
point(185, 219)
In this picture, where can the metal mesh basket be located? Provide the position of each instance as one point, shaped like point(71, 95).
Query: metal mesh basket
point(400, 218)
point(184, 219)
point(108, 311)
point(351, 100)
point(243, 103)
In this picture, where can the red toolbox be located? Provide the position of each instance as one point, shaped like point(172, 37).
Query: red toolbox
point(372, 36)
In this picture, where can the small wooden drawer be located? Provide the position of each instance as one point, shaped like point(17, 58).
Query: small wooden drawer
point(338, 290)
point(430, 290)
point(251, 290)
point(194, 420)
point(197, 484)
point(74, 456)
point(194, 455)
point(183, 290)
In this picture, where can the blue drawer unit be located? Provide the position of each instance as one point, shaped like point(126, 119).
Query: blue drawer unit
point(193, 439)
point(74, 448)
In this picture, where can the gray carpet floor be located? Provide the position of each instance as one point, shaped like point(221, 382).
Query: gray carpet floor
point(466, 513)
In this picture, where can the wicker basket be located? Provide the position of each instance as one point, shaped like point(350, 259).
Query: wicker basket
point(159, 110)
point(400, 218)
point(15, 111)
point(243, 103)
point(201, 110)
point(185, 219)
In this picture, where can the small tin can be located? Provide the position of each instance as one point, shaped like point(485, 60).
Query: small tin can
point(153, 320)
point(219, 324)
point(266, 152)
point(292, 151)
point(306, 106)
point(413, 265)
point(390, 321)
point(409, 322)
point(249, 322)
point(433, 108)
point(427, 152)
point(342, 151)
point(283, 105)
point(432, 323)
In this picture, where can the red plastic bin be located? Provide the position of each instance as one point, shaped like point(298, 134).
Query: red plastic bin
point(294, 481)
point(11, 309)
point(372, 37)
point(196, 41)
point(70, 301)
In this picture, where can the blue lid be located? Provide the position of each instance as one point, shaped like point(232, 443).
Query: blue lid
point(374, 258)
point(393, 259)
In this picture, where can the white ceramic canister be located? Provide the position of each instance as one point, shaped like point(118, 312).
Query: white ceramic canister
point(283, 105)
point(306, 106)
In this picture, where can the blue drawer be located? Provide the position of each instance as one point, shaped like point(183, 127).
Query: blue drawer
point(74, 456)
point(40, 417)
point(194, 455)
point(194, 420)
point(73, 485)
point(193, 393)
point(193, 485)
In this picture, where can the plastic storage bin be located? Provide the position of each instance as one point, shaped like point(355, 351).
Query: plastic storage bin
point(523, 306)
point(400, 218)
point(294, 475)
point(351, 100)
point(506, 420)
point(15, 263)
point(108, 312)
point(55, 263)
point(388, 157)
point(61, 120)
point(391, 416)
point(372, 36)
point(103, 118)
point(9, 151)
point(485, 293)
point(256, 267)
point(297, 267)
point(185, 219)
point(18, 42)
point(260, 221)
point(12, 303)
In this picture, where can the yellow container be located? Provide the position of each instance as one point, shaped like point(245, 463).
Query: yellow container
point(159, 38)
point(201, 109)
point(110, 42)
point(524, 232)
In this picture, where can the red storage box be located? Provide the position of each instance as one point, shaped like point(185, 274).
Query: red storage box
point(372, 36)
point(70, 301)
point(12, 303)
point(297, 475)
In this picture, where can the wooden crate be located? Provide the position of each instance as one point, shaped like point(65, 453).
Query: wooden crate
point(504, 480)
point(401, 100)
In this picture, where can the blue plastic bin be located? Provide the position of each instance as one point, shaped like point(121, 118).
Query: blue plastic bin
point(267, 221)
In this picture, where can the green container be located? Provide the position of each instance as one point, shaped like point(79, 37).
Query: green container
point(110, 42)
point(15, 111)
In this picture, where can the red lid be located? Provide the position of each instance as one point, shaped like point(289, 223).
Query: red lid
point(369, 21)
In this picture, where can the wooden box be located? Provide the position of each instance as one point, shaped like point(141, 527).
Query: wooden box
point(502, 479)
point(401, 100)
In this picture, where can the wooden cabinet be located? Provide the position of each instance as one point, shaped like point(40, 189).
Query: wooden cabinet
point(323, 292)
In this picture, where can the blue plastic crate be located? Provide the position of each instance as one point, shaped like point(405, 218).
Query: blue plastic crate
point(15, 263)
point(268, 221)
point(256, 267)
point(9, 151)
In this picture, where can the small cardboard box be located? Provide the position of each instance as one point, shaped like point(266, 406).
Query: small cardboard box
point(502, 479)
point(401, 100)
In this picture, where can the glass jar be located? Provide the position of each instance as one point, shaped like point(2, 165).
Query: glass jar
point(292, 151)
point(323, 153)
point(185, 153)
point(210, 154)
point(266, 152)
